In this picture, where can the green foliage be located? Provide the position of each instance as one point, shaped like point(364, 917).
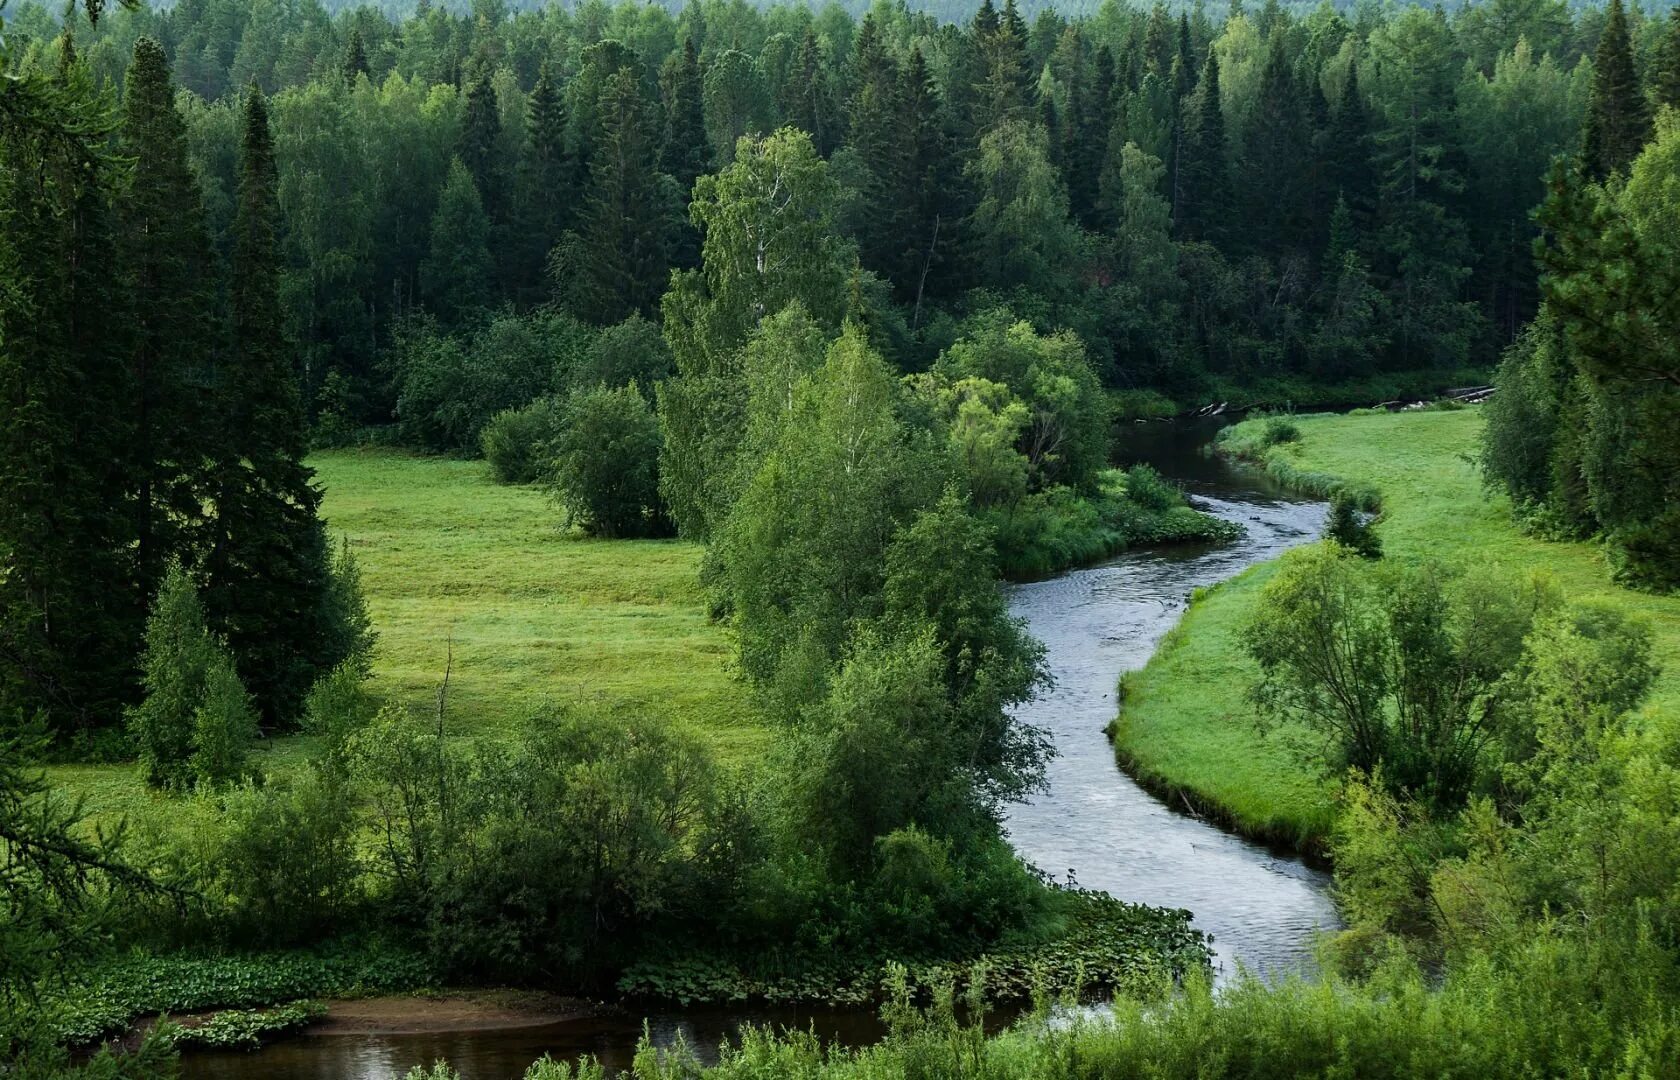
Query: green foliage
point(605, 463)
point(196, 720)
point(632, 351)
point(241, 1029)
point(517, 442)
point(1351, 531)
point(457, 274)
point(1394, 669)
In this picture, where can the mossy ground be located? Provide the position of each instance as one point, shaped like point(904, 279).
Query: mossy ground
point(455, 565)
point(1186, 724)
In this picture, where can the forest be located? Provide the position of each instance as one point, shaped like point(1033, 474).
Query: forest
point(780, 342)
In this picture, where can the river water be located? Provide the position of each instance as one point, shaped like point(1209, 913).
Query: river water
point(1261, 907)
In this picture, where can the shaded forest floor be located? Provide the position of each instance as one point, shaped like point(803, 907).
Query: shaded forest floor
point(483, 578)
point(1185, 723)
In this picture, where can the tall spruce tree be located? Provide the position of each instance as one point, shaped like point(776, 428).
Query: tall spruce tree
point(355, 57)
point(683, 151)
point(876, 136)
point(625, 257)
point(480, 150)
point(1618, 122)
point(1346, 152)
point(1203, 190)
point(810, 100)
point(1665, 76)
point(928, 214)
point(70, 615)
point(167, 271)
point(547, 180)
point(1093, 120)
point(1273, 154)
point(267, 577)
point(457, 272)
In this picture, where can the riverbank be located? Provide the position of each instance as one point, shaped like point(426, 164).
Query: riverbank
point(1185, 728)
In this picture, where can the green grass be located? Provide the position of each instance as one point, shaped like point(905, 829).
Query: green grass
point(453, 563)
point(1186, 725)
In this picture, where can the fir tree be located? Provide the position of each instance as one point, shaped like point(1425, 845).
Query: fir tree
point(929, 216)
point(480, 152)
point(167, 267)
point(1665, 88)
point(1204, 180)
point(1274, 149)
point(1618, 119)
point(355, 58)
point(811, 104)
point(456, 275)
point(875, 121)
point(625, 261)
point(547, 176)
point(223, 725)
point(69, 611)
point(174, 665)
point(1094, 119)
point(683, 152)
point(267, 569)
point(1346, 152)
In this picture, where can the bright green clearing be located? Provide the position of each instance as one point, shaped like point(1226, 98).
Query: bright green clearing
point(456, 564)
point(1186, 724)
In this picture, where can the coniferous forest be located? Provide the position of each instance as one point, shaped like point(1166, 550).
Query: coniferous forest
point(808, 328)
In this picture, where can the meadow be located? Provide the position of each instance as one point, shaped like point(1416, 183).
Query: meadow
point(484, 579)
point(1185, 723)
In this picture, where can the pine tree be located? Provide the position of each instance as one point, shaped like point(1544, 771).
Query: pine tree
point(1204, 180)
point(683, 152)
point(456, 275)
point(626, 261)
point(267, 571)
point(167, 272)
point(355, 58)
point(70, 616)
point(1665, 88)
point(1618, 122)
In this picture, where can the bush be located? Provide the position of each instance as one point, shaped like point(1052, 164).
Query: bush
point(633, 351)
point(224, 723)
point(1148, 489)
point(606, 464)
point(517, 442)
point(1347, 528)
point(1280, 430)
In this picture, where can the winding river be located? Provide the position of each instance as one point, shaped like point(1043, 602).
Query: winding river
point(1261, 907)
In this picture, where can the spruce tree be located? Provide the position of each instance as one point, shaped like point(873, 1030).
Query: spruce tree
point(1274, 150)
point(811, 105)
point(1665, 80)
point(267, 571)
point(1204, 180)
point(174, 666)
point(1618, 122)
point(167, 272)
point(70, 615)
point(223, 725)
point(683, 151)
point(1093, 120)
point(480, 151)
point(928, 215)
point(547, 180)
point(625, 257)
point(876, 136)
point(456, 274)
point(355, 58)
point(1346, 153)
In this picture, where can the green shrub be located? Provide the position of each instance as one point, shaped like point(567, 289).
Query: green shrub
point(223, 725)
point(1347, 528)
point(517, 442)
point(1149, 490)
point(606, 463)
point(1279, 430)
point(633, 351)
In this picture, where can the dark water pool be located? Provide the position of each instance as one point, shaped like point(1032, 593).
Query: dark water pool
point(1262, 908)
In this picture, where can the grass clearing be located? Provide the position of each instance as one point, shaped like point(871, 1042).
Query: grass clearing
point(454, 563)
point(1186, 725)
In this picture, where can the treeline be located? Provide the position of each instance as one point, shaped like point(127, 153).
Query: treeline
point(1205, 201)
point(1582, 433)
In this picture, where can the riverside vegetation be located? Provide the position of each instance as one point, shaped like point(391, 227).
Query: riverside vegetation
point(845, 303)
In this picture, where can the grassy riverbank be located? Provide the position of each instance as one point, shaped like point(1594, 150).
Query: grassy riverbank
point(1186, 726)
point(481, 577)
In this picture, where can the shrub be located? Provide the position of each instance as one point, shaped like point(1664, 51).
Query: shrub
point(516, 442)
point(1347, 528)
point(224, 723)
point(606, 463)
point(349, 626)
point(633, 351)
point(1279, 430)
point(1150, 490)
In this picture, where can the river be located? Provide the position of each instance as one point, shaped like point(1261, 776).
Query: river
point(1261, 907)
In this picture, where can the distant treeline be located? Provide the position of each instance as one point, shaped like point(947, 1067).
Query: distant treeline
point(1207, 198)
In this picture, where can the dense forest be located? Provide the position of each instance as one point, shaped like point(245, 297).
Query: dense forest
point(853, 300)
